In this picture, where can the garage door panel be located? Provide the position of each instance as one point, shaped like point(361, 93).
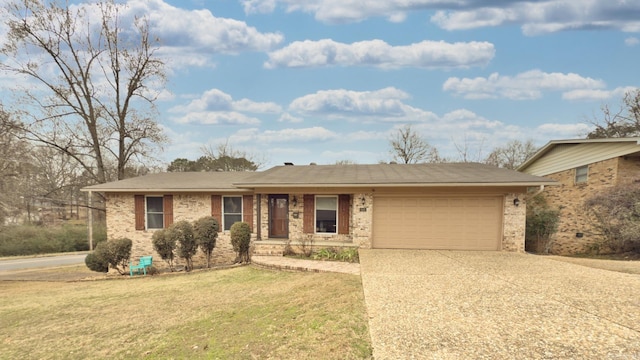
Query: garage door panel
point(457, 223)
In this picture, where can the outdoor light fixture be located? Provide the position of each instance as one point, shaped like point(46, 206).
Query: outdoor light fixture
point(516, 202)
point(294, 201)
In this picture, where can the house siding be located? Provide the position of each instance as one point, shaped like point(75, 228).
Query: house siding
point(189, 207)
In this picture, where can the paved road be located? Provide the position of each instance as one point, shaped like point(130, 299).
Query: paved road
point(497, 305)
point(41, 262)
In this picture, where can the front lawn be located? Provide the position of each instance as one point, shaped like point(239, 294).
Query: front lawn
point(239, 313)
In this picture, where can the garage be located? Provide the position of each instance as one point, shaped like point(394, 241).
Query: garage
point(432, 222)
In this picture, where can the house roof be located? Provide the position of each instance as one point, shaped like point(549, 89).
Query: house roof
point(176, 182)
point(390, 175)
point(380, 175)
point(560, 155)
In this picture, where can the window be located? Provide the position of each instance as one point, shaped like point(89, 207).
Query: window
point(231, 211)
point(326, 214)
point(582, 173)
point(155, 214)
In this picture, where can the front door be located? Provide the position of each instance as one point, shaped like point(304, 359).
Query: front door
point(278, 216)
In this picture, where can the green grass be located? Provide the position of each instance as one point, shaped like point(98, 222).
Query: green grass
point(239, 313)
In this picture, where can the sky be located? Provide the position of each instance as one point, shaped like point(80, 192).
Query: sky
point(329, 80)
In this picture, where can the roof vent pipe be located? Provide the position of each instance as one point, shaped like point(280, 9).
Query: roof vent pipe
point(288, 164)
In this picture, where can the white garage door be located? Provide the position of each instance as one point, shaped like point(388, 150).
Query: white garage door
point(455, 223)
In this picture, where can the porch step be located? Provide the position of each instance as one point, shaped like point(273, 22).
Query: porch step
point(266, 249)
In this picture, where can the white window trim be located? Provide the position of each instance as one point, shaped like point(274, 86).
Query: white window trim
point(146, 212)
point(241, 210)
point(315, 214)
point(586, 175)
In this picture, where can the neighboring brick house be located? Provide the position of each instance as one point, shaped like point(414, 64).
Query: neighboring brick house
point(426, 206)
point(582, 167)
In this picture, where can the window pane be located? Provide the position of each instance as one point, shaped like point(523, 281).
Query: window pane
point(326, 214)
point(582, 173)
point(230, 220)
point(232, 204)
point(154, 221)
point(154, 204)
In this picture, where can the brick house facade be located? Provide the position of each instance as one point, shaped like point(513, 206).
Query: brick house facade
point(327, 206)
point(582, 168)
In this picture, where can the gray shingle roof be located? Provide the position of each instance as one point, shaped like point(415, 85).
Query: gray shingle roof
point(448, 174)
point(176, 181)
point(383, 175)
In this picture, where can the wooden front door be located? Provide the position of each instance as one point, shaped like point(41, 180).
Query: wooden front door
point(278, 216)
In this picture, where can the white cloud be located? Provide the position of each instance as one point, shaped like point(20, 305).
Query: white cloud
point(379, 105)
point(524, 86)
point(563, 131)
point(190, 37)
point(631, 41)
point(286, 117)
point(597, 94)
point(217, 107)
point(535, 17)
point(377, 53)
point(543, 17)
point(257, 136)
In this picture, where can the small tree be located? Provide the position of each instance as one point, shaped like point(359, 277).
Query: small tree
point(241, 240)
point(114, 254)
point(165, 246)
point(205, 231)
point(408, 147)
point(182, 234)
point(542, 223)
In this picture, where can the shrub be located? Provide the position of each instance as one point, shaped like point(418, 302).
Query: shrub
point(346, 254)
point(96, 261)
point(205, 231)
point(113, 254)
point(165, 246)
point(34, 239)
point(182, 234)
point(615, 215)
point(241, 241)
point(542, 223)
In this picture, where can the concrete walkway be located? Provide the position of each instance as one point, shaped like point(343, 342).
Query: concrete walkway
point(291, 264)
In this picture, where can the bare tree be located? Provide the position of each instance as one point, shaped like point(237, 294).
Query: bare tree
point(623, 122)
point(512, 155)
point(90, 82)
point(464, 151)
point(227, 158)
point(408, 147)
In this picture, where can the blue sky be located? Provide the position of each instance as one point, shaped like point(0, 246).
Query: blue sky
point(327, 80)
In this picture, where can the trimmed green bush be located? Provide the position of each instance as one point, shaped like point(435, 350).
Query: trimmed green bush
point(205, 231)
point(96, 261)
point(542, 223)
point(182, 233)
point(114, 254)
point(241, 241)
point(165, 246)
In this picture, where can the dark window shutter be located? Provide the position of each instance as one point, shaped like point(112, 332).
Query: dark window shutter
point(308, 226)
point(138, 202)
point(247, 210)
point(216, 209)
point(167, 209)
point(343, 214)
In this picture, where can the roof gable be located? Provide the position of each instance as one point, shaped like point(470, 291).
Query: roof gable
point(560, 155)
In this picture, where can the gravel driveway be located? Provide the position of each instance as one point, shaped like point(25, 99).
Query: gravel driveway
point(497, 305)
